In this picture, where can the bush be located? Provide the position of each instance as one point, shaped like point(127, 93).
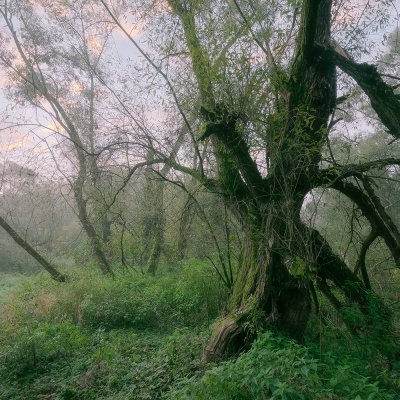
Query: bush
point(117, 364)
point(95, 336)
point(31, 348)
point(277, 368)
point(7, 282)
point(191, 296)
point(139, 337)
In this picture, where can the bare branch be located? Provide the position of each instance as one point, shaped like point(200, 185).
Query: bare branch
point(383, 99)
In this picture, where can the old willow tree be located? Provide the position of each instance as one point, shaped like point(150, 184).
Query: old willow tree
point(283, 259)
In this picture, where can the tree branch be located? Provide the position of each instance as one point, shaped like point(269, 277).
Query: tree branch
point(360, 265)
point(159, 71)
point(389, 233)
point(329, 175)
point(383, 99)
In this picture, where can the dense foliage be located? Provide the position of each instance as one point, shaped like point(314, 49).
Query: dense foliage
point(138, 337)
point(99, 338)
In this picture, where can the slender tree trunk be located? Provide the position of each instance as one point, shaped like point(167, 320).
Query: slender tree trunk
point(154, 216)
point(89, 229)
point(155, 226)
point(156, 247)
point(184, 228)
point(34, 77)
point(106, 229)
point(57, 276)
point(188, 215)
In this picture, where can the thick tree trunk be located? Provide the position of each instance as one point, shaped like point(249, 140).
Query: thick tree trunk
point(57, 276)
point(271, 290)
point(265, 293)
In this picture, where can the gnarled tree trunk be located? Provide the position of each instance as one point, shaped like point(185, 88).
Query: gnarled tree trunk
point(281, 255)
point(265, 293)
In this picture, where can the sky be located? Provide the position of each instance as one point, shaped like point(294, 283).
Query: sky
point(25, 145)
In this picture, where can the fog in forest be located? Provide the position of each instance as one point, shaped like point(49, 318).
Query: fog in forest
point(199, 199)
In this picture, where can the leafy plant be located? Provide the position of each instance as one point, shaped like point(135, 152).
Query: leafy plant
point(277, 368)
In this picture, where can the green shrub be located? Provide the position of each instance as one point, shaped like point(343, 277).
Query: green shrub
point(140, 337)
point(116, 364)
point(191, 296)
point(95, 337)
point(7, 282)
point(277, 368)
point(31, 348)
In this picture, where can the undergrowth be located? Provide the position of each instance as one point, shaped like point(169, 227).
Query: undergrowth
point(278, 368)
point(102, 338)
point(139, 337)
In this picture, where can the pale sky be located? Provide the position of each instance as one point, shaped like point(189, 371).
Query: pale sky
point(23, 144)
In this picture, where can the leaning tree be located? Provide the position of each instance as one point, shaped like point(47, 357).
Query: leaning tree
point(283, 259)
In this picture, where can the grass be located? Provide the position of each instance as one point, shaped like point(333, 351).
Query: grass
point(138, 337)
point(95, 337)
point(8, 282)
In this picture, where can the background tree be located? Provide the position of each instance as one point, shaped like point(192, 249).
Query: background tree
point(57, 74)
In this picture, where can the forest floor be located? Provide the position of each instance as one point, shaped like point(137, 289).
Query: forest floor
point(139, 337)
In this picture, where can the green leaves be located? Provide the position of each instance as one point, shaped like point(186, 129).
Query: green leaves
point(276, 368)
point(100, 338)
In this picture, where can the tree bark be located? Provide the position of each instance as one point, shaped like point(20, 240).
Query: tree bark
point(265, 293)
point(153, 220)
point(383, 99)
point(186, 220)
point(361, 265)
point(89, 229)
point(156, 248)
